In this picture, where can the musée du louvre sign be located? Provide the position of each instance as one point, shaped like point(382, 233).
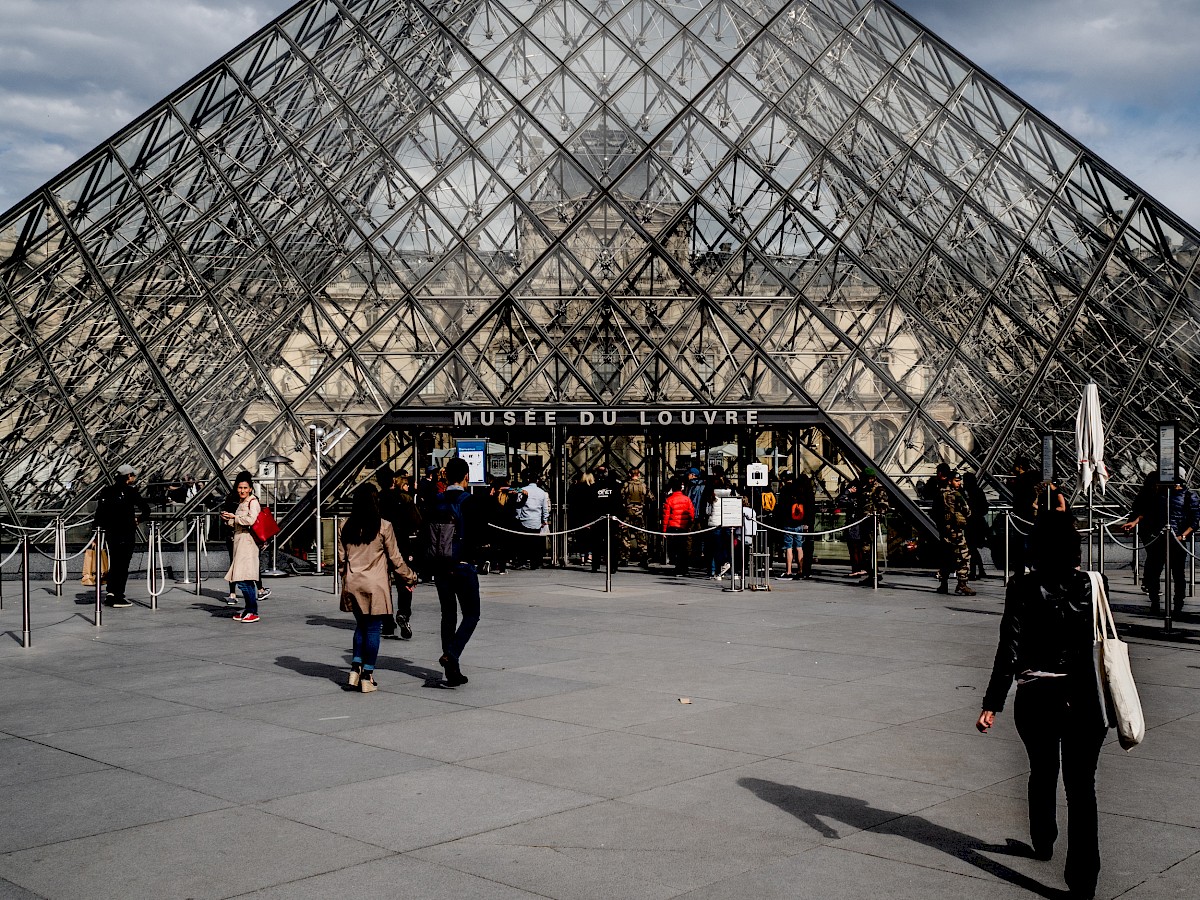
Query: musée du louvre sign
point(573, 418)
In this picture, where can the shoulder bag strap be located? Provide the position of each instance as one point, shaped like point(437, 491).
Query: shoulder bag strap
point(1102, 618)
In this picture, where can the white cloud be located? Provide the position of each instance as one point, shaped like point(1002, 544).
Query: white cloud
point(74, 72)
point(1122, 77)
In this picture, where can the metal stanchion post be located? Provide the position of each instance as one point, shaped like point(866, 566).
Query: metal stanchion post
point(187, 563)
point(766, 559)
point(1167, 536)
point(26, 635)
point(60, 555)
point(337, 574)
point(1192, 575)
point(608, 554)
point(732, 582)
point(1007, 547)
point(199, 548)
point(874, 551)
point(1136, 548)
point(1100, 548)
point(153, 556)
point(99, 577)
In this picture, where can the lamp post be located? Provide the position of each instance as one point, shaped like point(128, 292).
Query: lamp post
point(276, 460)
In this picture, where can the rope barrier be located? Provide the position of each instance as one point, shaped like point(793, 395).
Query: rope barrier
point(186, 537)
point(8, 558)
point(1183, 547)
point(544, 533)
point(846, 527)
point(625, 524)
point(1129, 547)
point(20, 529)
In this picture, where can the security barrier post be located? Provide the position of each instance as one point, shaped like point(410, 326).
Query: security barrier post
point(1136, 548)
point(1007, 547)
point(26, 636)
point(153, 555)
point(199, 548)
point(187, 563)
point(608, 554)
point(60, 555)
point(99, 573)
point(874, 551)
point(337, 571)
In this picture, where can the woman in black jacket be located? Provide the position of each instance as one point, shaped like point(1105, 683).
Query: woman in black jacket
point(1046, 638)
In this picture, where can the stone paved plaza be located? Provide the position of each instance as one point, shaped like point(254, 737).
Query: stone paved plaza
point(828, 749)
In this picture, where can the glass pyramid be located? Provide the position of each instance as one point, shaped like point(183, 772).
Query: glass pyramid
point(378, 204)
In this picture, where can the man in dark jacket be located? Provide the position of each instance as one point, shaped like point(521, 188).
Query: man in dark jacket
point(397, 507)
point(118, 510)
point(606, 500)
point(458, 582)
point(1150, 510)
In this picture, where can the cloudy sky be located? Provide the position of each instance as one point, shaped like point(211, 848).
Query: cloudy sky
point(1121, 76)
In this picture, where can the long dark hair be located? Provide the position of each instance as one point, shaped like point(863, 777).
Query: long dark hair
point(362, 525)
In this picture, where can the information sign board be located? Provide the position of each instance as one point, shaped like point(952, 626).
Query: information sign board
point(473, 452)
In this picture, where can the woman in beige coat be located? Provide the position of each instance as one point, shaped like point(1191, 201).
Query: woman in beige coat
point(243, 561)
point(367, 553)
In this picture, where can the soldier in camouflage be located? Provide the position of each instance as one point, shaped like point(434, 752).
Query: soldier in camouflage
point(636, 497)
point(874, 503)
point(956, 557)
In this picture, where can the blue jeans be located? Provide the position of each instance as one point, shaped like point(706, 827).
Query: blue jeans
point(366, 640)
point(457, 588)
point(250, 592)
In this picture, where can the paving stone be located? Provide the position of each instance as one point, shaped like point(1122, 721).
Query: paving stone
point(165, 737)
point(777, 796)
point(465, 734)
point(23, 762)
point(611, 849)
point(220, 854)
point(426, 807)
point(60, 809)
point(757, 729)
point(826, 872)
point(916, 754)
point(393, 876)
point(608, 707)
point(600, 764)
point(299, 764)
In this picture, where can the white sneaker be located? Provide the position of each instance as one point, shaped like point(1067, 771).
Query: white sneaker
point(724, 569)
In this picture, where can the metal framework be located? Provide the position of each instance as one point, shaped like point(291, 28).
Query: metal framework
point(381, 204)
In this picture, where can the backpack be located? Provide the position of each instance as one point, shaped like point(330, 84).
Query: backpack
point(768, 501)
point(444, 531)
point(797, 512)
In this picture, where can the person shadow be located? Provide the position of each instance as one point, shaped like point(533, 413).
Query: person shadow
point(343, 622)
point(821, 810)
point(337, 674)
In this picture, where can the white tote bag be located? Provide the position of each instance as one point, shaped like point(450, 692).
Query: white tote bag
point(1112, 658)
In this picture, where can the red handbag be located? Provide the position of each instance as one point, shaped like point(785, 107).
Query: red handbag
point(265, 527)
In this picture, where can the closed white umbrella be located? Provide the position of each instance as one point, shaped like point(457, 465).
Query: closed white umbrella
point(1089, 450)
point(1089, 440)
